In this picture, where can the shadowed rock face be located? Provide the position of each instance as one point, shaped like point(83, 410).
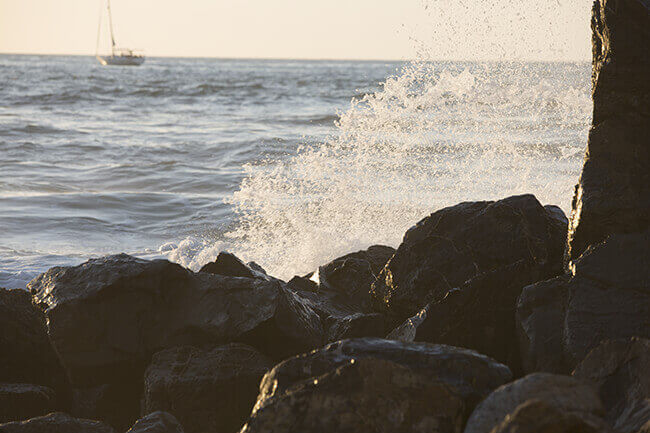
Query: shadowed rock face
point(460, 242)
point(537, 416)
point(564, 393)
point(26, 354)
point(20, 401)
point(108, 316)
point(212, 390)
point(613, 194)
point(56, 423)
point(157, 422)
point(606, 296)
point(620, 369)
point(375, 384)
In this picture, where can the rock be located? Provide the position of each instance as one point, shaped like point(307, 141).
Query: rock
point(353, 274)
point(20, 401)
point(563, 393)
point(117, 404)
point(537, 416)
point(461, 242)
point(375, 384)
point(479, 315)
point(56, 423)
point(230, 265)
point(157, 422)
point(606, 296)
point(211, 390)
point(613, 194)
point(26, 354)
point(356, 326)
point(621, 371)
point(108, 316)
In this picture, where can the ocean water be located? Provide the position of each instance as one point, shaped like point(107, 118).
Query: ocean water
point(288, 163)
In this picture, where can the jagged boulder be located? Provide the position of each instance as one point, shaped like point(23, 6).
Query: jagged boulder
point(20, 401)
point(538, 416)
point(620, 369)
point(229, 265)
point(212, 390)
point(563, 393)
point(108, 316)
point(26, 353)
point(339, 292)
point(157, 422)
point(458, 243)
point(605, 296)
point(479, 315)
point(375, 384)
point(613, 194)
point(56, 423)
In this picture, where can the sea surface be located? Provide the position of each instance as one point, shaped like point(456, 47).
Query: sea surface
point(287, 163)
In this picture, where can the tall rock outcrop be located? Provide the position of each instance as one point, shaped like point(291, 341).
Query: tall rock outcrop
point(613, 194)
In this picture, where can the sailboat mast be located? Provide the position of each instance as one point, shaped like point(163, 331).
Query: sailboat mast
point(110, 24)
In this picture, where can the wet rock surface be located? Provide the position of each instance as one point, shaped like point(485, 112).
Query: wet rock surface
point(228, 264)
point(606, 296)
point(212, 390)
point(56, 423)
point(620, 369)
point(613, 194)
point(357, 384)
point(23, 401)
point(563, 393)
point(157, 422)
point(457, 243)
point(26, 353)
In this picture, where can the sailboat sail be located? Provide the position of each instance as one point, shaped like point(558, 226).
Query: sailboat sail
point(118, 56)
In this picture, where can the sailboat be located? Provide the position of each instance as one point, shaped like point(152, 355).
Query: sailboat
point(118, 56)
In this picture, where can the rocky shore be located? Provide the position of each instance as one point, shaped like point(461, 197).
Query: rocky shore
point(496, 316)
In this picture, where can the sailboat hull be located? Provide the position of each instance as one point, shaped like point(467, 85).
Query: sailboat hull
point(121, 60)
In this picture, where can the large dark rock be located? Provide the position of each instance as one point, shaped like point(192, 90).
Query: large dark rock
point(479, 315)
point(211, 390)
point(538, 416)
point(20, 401)
point(461, 242)
point(561, 392)
point(228, 264)
point(157, 422)
point(606, 296)
point(116, 403)
point(108, 316)
point(621, 371)
point(56, 423)
point(613, 194)
point(353, 274)
point(26, 354)
point(371, 384)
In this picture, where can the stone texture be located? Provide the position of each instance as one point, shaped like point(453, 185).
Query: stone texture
point(56, 423)
point(211, 390)
point(372, 384)
point(26, 354)
point(561, 392)
point(108, 316)
point(620, 369)
point(537, 416)
point(20, 401)
point(228, 264)
point(458, 243)
point(606, 296)
point(157, 422)
point(479, 315)
point(613, 194)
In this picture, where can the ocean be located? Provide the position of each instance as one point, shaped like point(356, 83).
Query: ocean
point(289, 163)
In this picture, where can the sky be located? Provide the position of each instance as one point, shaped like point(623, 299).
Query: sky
point(310, 29)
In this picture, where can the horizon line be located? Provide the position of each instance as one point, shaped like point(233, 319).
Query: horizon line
point(315, 59)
